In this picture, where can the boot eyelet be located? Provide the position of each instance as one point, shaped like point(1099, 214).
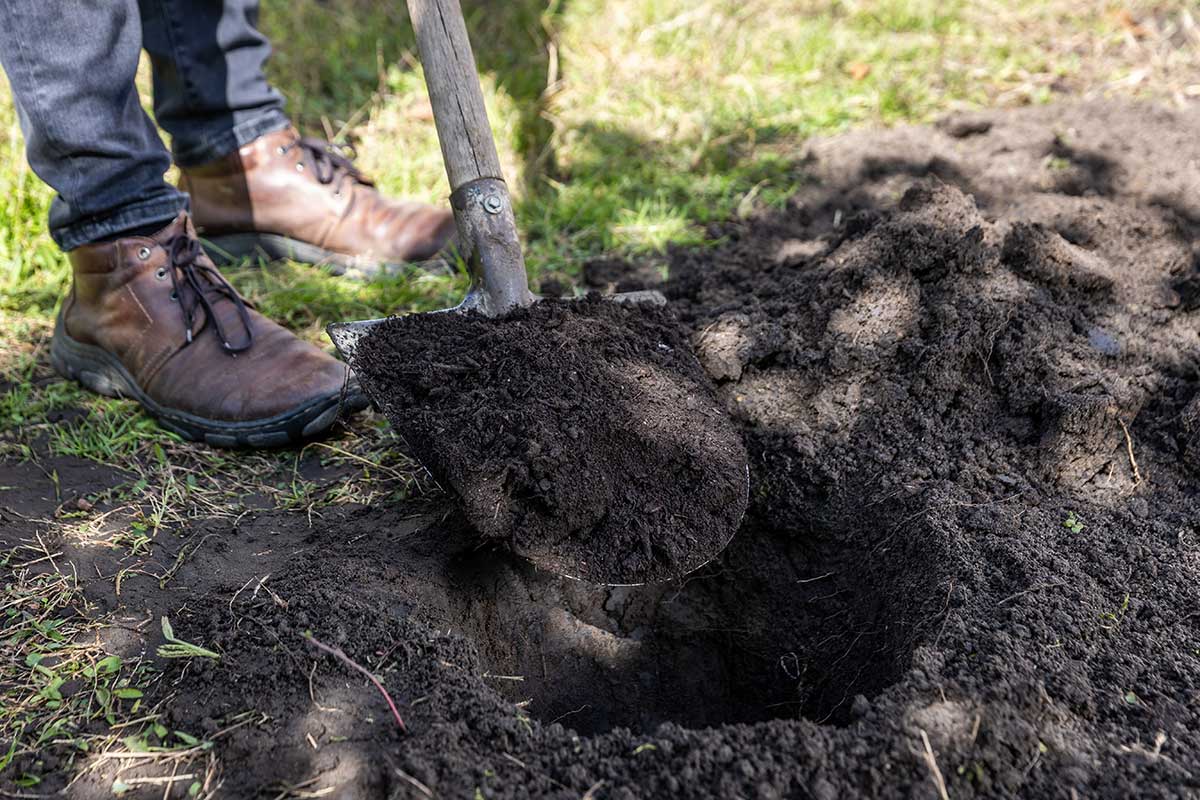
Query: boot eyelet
point(143, 253)
point(161, 273)
point(174, 297)
point(300, 167)
point(281, 150)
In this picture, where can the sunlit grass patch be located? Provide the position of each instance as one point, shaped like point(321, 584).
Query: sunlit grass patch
point(56, 678)
point(111, 432)
point(33, 273)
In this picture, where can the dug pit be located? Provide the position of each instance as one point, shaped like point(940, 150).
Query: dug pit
point(811, 624)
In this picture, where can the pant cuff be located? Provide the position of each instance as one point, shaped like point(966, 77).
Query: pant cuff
point(211, 147)
point(162, 209)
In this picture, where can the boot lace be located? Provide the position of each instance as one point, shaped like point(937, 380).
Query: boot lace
point(199, 285)
point(330, 162)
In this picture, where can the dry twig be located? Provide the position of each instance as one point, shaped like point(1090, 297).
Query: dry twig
point(938, 780)
point(1137, 474)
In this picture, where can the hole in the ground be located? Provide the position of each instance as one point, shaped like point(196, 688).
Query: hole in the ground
point(789, 625)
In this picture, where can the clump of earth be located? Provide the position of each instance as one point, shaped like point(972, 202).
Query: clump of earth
point(964, 366)
point(582, 433)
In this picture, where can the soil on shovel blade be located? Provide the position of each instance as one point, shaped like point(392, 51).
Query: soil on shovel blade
point(964, 364)
point(585, 433)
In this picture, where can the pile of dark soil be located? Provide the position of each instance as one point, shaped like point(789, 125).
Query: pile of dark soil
point(965, 367)
point(584, 433)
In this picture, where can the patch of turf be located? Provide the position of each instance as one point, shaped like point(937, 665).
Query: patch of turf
point(57, 677)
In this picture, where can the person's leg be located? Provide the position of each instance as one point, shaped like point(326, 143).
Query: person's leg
point(210, 92)
point(257, 188)
point(71, 67)
point(148, 316)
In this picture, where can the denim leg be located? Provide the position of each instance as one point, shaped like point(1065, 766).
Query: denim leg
point(71, 67)
point(210, 92)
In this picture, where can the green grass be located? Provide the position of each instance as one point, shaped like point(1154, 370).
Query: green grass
point(624, 126)
point(57, 680)
point(627, 124)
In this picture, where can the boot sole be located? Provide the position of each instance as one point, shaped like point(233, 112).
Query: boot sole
point(234, 248)
point(102, 373)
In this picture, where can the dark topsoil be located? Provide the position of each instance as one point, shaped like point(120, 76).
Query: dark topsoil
point(584, 433)
point(955, 341)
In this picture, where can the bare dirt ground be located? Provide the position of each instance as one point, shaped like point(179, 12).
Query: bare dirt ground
point(964, 364)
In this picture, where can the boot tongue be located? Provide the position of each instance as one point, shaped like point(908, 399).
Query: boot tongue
point(205, 297)
point(180, 226)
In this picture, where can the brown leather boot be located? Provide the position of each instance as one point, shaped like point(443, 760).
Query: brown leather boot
point(151, 318)
point(283, 196)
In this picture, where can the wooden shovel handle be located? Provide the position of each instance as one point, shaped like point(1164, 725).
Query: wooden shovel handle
point(482, 207)
point(458, 110)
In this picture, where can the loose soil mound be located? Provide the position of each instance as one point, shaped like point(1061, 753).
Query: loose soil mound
point(586, 433)
point(965, 366)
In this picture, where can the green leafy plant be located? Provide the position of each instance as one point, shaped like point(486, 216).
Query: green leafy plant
point(1112, 620)
point(1072, 523)
point(177, 648)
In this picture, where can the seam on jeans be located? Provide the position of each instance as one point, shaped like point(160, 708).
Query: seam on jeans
point(174, 38)
point(35, 90)
point(175, 31)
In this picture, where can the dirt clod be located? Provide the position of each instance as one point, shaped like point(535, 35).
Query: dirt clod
point(584, 432)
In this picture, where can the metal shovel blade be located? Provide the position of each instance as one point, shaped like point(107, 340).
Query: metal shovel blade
point(347, 335)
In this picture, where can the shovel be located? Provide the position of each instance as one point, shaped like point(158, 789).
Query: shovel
point(487, 232)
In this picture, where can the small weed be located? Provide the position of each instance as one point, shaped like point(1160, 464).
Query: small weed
point(177, 648)
point(136, 539)
point(1112, 620)
point(1072, 523)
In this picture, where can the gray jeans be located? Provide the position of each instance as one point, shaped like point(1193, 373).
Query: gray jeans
point(72, 65)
